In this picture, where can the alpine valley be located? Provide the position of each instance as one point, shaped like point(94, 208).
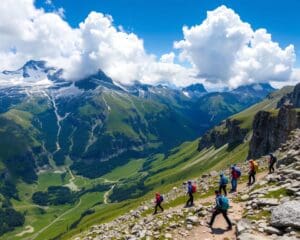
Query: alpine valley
point(73, 154)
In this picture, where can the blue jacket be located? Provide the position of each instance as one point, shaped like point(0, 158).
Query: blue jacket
point(223, 180)
point(190, 188)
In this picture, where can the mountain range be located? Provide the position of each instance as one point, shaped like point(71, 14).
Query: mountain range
point(98, 124)
point(94, 126)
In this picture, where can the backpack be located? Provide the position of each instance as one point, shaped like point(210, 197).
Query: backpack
point(225, 180)
point(238, 172)
point(161, 198)
point(194, 188)
point(274, 159)
point(224, 202)
point(255, 164)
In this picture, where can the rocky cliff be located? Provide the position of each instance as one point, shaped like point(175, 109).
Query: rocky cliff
point(292, 98)
point(228, 131)
point(272, 128)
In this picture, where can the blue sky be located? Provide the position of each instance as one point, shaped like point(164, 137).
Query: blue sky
point(159, 22)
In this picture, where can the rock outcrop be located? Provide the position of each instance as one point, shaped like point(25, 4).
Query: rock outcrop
point(229, 132)
point(292, 98)
point(271, 129)
point(273, 206)
point(286, 215)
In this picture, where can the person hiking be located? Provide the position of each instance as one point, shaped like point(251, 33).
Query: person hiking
point(253, 167)
point(222, 206)
point(272, 161)
point(158, 200)
point(223, 184)
point(235, 175)
point(191, 189)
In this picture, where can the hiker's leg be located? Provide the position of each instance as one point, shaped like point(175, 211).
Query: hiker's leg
point(272, 168)
point(254, 173)
point(235, 184)
point(161, 208)
point(224, 189)
point(227, 218)
point(192, 199)
point(215, 213)
point(155, 209)
point(220, 188)
point(189, 200)
point(250, 178)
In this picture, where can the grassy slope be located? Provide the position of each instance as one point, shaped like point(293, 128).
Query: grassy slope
point(164, 171)
point(182, 163)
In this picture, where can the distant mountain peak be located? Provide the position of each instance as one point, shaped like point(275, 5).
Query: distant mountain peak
point(255, 87)
point(33, 64)
point(197, 87)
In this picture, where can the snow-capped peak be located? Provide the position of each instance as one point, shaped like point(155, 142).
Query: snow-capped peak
point(32, 74)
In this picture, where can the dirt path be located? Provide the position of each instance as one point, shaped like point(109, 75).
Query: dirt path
point(71, 183)
point(219, 229)
point(54, 221)
point(28, 229)
point(106, 195)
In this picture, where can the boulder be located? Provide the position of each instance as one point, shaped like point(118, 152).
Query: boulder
point(243, 225)
point(286, 215)
point(248, 236)
point(261, 202)
point(286, 238)
point(272, 230)
point(192, 220)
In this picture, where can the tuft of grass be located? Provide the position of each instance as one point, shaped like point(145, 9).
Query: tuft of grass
point(262, 214)
point(282, 192)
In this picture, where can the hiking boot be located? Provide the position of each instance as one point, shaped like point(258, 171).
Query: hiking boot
point(208, 224)
point(229, 228)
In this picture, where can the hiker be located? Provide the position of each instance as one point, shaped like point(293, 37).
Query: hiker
point(158, 200)
point(222, 205)
point(191, 189)
point(272, 161)
point(235, 174)
point(223, 184)
point(253, 167)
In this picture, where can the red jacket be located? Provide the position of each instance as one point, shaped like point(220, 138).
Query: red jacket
point(157, 199)
point(234, 174)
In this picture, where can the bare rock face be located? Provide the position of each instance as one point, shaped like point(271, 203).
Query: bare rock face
point(286, 215)
point(292, 98)
point(228, 132)
point(249, 236)
point(270, 130)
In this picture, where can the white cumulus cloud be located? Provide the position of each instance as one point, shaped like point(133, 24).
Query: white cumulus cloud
point(226, 50)
point(95, 44)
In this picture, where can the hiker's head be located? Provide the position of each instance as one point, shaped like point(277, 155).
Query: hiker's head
point(221, 174)
point(271, 155)
point(189, 182)
point(157, 194)
point(217, 192)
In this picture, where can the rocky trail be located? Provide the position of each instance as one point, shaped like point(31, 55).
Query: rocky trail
point(268, 210)
point(219, 230)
